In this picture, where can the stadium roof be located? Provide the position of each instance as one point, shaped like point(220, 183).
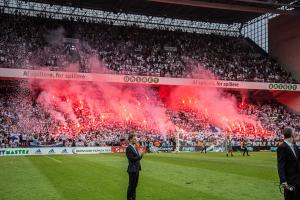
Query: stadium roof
point(219, 11)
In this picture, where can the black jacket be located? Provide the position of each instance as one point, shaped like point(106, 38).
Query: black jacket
point(134, 158)
point(288, 164)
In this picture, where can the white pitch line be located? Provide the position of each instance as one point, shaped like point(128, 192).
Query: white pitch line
point(59, 161)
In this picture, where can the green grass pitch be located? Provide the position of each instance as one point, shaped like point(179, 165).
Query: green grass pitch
point(164, 176)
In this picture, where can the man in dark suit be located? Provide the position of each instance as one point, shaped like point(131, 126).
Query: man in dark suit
point(288, 159)
point(134, 166)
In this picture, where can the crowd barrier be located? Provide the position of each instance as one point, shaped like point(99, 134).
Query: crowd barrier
point(119, 149)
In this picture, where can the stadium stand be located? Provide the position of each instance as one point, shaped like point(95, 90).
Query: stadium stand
point(33, 43)
point(25, 123)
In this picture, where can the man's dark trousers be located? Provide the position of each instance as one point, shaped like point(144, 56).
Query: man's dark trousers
point(133, 182)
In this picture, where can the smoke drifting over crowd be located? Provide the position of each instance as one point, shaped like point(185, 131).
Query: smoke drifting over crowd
point(80, 107)
point(85, 104)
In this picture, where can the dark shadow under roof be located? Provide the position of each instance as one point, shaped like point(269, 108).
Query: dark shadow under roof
point(179, 11)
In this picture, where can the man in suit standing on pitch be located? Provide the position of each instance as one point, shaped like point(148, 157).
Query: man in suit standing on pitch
point(288, 159)
point(134, 166)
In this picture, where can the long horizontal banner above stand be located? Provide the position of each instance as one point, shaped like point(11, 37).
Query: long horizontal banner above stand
point(149, 80)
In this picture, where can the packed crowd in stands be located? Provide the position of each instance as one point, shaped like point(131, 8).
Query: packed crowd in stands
point(25, 123)
point(35, 43)
point(63, 45)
